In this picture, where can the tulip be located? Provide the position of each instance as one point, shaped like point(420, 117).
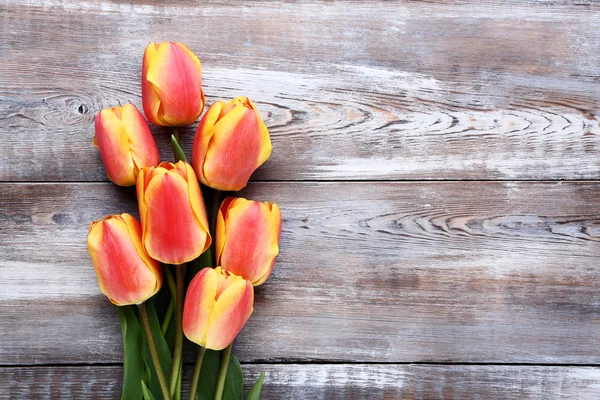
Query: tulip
point(171, 84)
point(174, 224)
point(126, 273)
point(125, 142)
point(231, 142)
point(217, 305)
point(247, 238)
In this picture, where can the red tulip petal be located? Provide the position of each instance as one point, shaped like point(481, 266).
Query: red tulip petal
point(220, 228)
point(141, 142)
point(251, 231)
point(200, 301)
point(123, 275)
point(176, 76)
point(232, 154)
point(113, 143)
point(204, 133)
point(231, 311)
point(150, 99)
point(172, 233)
point(195, 196)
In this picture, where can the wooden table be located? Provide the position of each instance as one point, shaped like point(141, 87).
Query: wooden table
point(436, 164)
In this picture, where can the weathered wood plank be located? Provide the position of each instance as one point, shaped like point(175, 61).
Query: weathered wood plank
point(420, 90)
point(394, 272)
point(317, 381)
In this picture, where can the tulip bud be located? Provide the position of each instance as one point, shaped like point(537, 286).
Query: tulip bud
point(231, 142)
point(217, 305)
point(174, 224)
point(126, 273)
point(247, 238)
point(171, 84)
point(125, 142)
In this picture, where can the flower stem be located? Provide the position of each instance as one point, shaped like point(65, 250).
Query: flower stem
point(171, 283)
point(168, 318)
point(153, 352)
point(222, 372)
point(179, 378)
point(171, 310)
point(196, 374)
point(179, 277)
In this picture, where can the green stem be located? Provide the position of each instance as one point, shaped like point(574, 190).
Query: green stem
point(169, 314)
point(196, 374)
point(153, 352)
point(179, 378)
point(179, 277)
point(222, 372)
point(177, 151)
point(168, 317)
point(171, 282)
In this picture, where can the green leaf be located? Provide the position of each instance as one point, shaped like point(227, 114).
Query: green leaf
point(179, 154)
point(161, 344)
point(255, 391)
point(146, 392)
point(133, 362)
point(164, 354)
point(234, 383)
point(149, 373)
point(208, 375)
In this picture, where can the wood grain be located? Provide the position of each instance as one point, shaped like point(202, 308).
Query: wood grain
point(343, 382)
point(349, 90)
point(380, 272)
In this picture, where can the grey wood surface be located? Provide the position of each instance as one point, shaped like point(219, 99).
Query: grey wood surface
point(340, 382)
point(489, 283)
point(349, 90)
point(396, 272)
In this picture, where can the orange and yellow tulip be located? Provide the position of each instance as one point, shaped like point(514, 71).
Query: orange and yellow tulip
point(125, 142)
point(174, 224)
point(126, 273)
point(247, 238)
point(217, 305)
point(171, 84)
point(231, 142)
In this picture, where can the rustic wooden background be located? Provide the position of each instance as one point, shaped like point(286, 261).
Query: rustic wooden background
point(437, 164)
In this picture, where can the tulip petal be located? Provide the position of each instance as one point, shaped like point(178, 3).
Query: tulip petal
point(199, 304)
point(196, 201)
point(140, 186)
point(232, 154)
point(204, 133)
point(143, 148)
point(171, 232)
point(265, 140)
point(176, 76)
point(122, 275)
point(231, 311)
point(220, 228)
point(113, 143)
point(251, 240)
point(135, 232)
point(150, 99)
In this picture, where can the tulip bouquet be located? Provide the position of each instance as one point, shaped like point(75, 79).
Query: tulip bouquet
point(212, 251)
